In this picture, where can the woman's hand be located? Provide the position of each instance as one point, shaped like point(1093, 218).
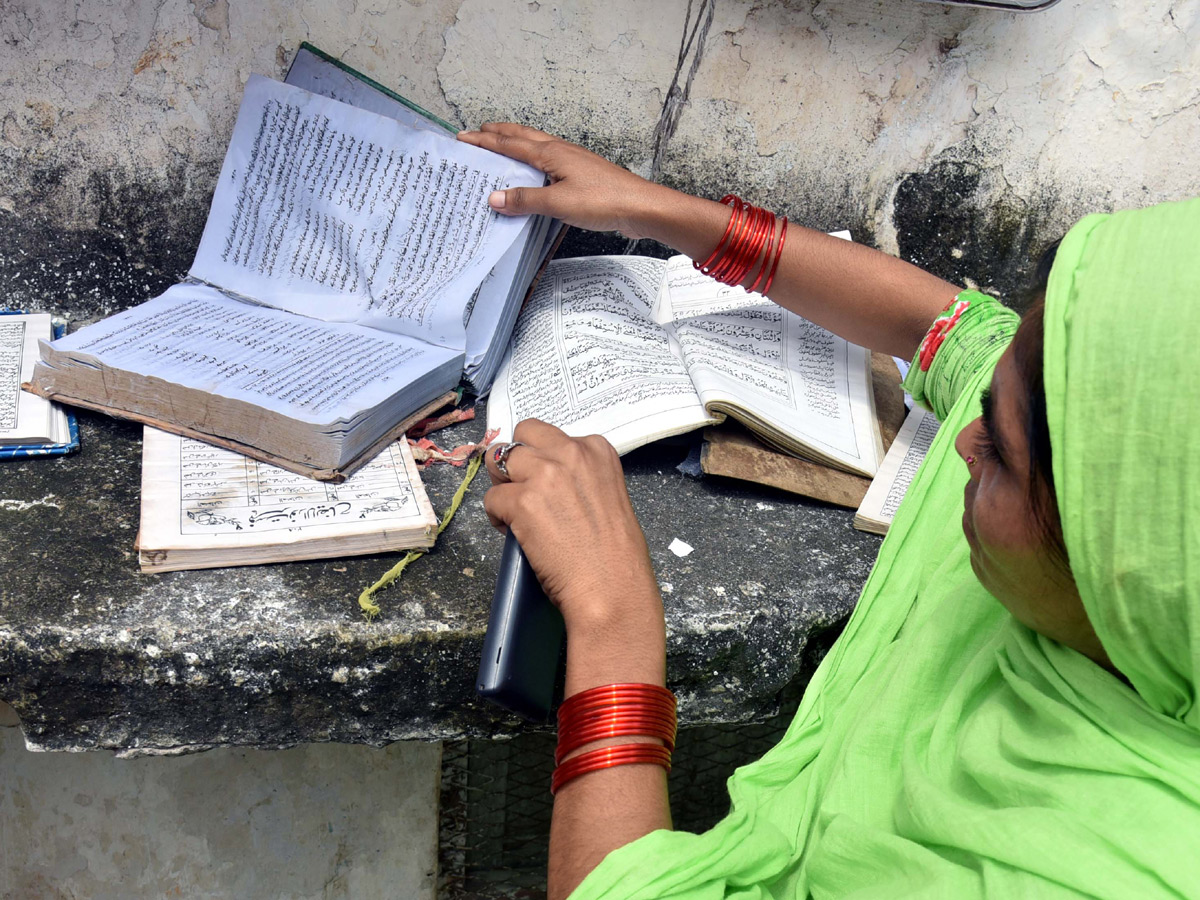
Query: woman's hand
point(586, 190)
point(565, 502)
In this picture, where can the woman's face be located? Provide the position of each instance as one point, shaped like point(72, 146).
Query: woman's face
point(1008, 552)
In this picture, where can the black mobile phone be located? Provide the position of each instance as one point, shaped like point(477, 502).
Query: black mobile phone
point(523, 644)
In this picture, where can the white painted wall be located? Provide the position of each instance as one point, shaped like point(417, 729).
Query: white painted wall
point(819, 108)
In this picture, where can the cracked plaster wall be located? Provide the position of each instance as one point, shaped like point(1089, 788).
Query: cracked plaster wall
point(962, 139)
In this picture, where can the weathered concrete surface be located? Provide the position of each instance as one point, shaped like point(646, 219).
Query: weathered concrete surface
point(321, 822)
point(95, 655)
point(963, 139)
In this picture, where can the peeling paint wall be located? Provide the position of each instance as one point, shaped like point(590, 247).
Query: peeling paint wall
point(960, 138)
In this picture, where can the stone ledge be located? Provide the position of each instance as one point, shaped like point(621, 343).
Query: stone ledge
point(95, 655)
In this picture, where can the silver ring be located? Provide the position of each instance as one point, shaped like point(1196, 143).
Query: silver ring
point(500, 456)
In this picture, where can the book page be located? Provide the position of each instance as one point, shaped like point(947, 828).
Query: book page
point(586, 357)
point(24, 418)
point(341, 214)
point(489, 301)
point(198, 495)
point(694, 294)
point(788, 375)
point(896, 473)
point(194, 336)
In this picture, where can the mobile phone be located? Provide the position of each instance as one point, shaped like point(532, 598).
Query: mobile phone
point(523, 645)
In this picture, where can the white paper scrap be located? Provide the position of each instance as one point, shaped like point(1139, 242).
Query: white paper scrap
point(679, 548)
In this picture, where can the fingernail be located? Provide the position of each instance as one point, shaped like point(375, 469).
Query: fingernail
point(496, 199)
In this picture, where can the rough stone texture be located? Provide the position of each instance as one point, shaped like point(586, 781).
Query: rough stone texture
point(94, 655)
point(320, 822)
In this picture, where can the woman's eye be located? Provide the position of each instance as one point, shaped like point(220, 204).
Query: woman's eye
point(985, 449)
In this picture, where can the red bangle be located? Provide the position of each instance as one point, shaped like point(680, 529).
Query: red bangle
point(740, 250)
point(613, 710)
point(607, 758)
point(762, 220)
point(762, 269)
point(585, 738)
point(733, 250)
point(608, 691)
point(621, 724)
point(737, 205)
point(778, 256)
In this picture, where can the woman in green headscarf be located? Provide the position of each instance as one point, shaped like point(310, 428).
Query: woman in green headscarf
point(950, 745)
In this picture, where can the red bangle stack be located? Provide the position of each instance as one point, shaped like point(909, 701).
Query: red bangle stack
point(741, 246)
point(613, 710)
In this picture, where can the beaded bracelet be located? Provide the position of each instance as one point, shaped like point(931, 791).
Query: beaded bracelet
point(741, 246)
point(614, 710)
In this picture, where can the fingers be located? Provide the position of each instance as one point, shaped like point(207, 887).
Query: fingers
point(534, 436)
point(523, 201)
point(511, 457)
point(517, 147)
point(515, 130)
point(498, 504)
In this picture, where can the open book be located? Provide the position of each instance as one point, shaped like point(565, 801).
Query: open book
point(29, 425)
point(333, 293)
point(204, 507)
point(636, 349)
point(896, 473)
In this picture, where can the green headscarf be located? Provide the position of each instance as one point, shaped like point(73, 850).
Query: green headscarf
point(1122, 360)
point(944, 750)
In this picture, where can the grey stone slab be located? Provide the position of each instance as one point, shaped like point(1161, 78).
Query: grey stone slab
point(95, 655)
point(319, 822)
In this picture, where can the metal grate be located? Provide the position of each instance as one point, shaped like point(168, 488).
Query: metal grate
point(494, 823)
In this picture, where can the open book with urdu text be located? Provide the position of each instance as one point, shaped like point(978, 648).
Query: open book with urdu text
point(637, 349)
point(349, 273)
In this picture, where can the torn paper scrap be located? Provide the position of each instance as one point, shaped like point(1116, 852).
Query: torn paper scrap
point(679, 548)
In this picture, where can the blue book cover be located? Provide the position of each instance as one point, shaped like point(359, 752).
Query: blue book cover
point(22, 451)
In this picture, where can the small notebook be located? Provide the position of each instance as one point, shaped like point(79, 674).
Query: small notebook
point(908, 450)
point(204, 507)
point(29, 425)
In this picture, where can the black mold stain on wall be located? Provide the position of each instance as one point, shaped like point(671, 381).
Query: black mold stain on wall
point(959, 221)
point(141, 236)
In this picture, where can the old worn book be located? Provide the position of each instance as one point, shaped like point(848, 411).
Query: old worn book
point(29, 425)
point(332, 293)
point(204, 507)
point(638, 349)
point(896, 473)
point(730, 451)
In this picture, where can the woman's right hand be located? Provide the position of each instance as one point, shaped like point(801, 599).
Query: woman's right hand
point(585, 189)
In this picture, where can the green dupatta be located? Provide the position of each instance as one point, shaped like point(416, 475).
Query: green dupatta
point(945, 750)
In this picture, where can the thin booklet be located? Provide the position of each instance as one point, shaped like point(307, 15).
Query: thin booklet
point(637, 349)
point(331, 295)
point(899, 467)
point(29, 425)
point(204, 507)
